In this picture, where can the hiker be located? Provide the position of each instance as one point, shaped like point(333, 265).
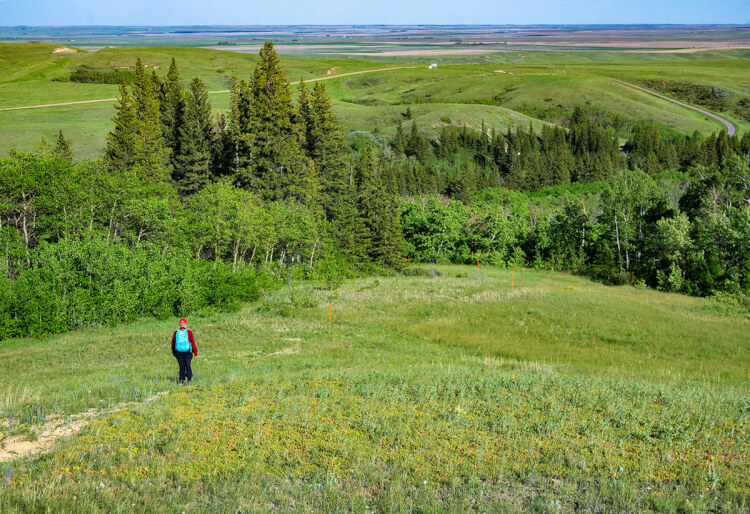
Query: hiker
point(184, 349)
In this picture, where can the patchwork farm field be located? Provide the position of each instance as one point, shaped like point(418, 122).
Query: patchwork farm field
point(447, 389)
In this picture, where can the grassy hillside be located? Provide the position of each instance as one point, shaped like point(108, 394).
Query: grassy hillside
point(534, 83)
point(449, 391)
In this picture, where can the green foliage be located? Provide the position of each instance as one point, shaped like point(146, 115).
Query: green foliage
point(381, 237)
point(278, 168)
point(87, 75)
point(172, 116)
point(417, 145)
point(137, 143)
point(333, 270)
point(91, 281)
point(82, 246)
point(399, 140)
point(711, 96)
point(193, 154)
point(62, 148)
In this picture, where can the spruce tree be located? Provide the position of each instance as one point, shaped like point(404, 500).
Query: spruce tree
point(119, 153)
point(380, 234)
point(325, 140)
point(151, 156)
point(221, 146)
point(399, 140)
point(172, 108)
point(193, 161)
point(305, 115)
point(278, 167)
point(417, 145)
point(62, 148)
point(326, 146)
point(43, 150)
point(239, 147)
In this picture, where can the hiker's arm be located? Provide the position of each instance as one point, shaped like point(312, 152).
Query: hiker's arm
point(173, 340)
point(192, 342)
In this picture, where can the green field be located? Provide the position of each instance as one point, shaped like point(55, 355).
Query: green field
point(446, 391)
point(534, 82)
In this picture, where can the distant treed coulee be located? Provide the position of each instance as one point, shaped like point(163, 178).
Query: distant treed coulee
point(188, 211)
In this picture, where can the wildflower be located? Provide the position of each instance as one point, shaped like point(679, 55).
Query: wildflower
point(7, 477)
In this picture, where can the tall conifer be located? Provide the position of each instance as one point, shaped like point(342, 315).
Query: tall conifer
point(381, 236)
point(62, 148)
point(278, 167)
point(193, 161)
point(239, 148)
point(151, 156)
point(120, 150)
point(172, 108)
point(399, 140)
point(325, 143)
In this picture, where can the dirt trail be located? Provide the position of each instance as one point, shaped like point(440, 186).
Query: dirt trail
point(17, 446)
point(731, 129)
point(210, 92)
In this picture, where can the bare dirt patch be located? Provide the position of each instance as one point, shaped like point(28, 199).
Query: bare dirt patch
point(56, 427)
point(64, 50)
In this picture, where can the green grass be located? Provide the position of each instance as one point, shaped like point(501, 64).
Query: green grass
point(542, 80)
point(536, 87)
point(444, 392)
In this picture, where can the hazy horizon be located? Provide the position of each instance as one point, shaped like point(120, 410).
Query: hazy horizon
point(49, 13)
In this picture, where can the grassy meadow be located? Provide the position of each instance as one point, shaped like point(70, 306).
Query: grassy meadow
point(447, 389)
point(463, 92)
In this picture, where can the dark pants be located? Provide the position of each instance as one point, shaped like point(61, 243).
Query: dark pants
point(184, 358)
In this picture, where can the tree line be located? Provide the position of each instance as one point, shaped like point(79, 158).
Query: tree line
point(187, 211)
point(190, 211)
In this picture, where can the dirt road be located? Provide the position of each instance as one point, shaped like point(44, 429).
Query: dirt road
point(731, 129)
point(210, 92)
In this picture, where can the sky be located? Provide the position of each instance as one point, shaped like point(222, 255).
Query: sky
point(344, 12)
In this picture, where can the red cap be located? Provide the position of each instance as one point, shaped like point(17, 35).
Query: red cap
point(183, 320)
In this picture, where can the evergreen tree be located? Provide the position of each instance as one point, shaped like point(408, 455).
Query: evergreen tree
point(62, 148)
point(278, 166)
point(221, 146)
point(120, 150)
point(324, 144)
point(157, 84)
point(195, 137)
point(417, 145)
point(305, 115)
point(399, 140)
point(238, 147)
point(136, 143)
point(325, 140)
point(172, 108)
point(381, 236)
point(43, 150)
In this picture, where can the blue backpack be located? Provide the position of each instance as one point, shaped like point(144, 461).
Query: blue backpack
point(181, 341)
